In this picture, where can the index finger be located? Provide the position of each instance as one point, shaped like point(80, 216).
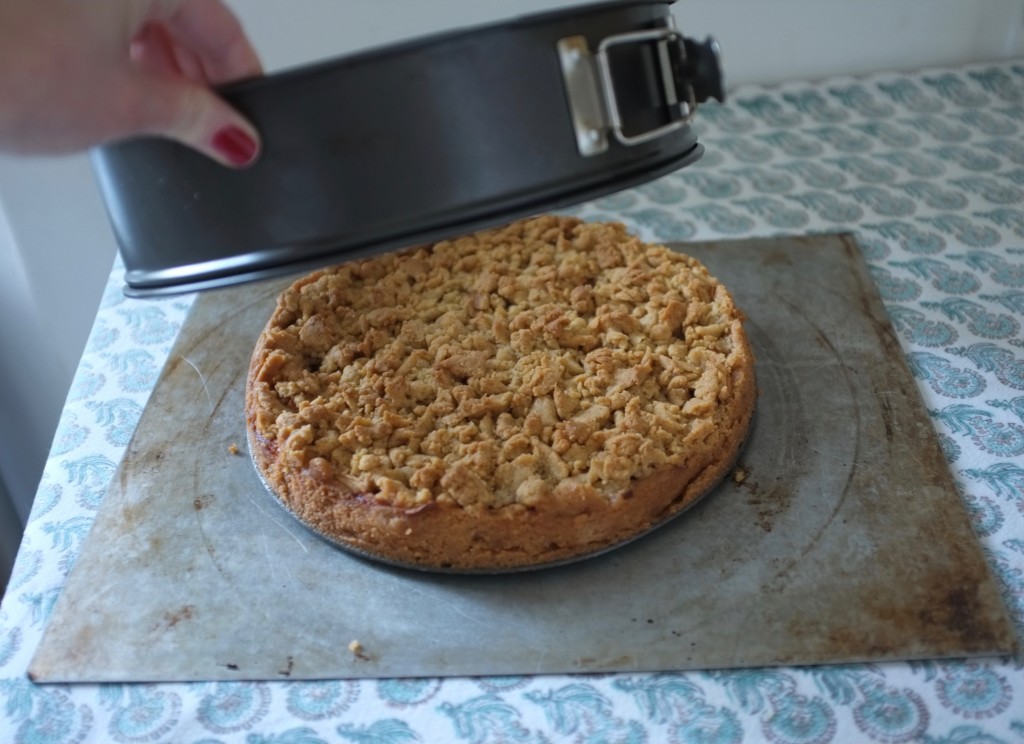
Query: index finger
point(212, 32)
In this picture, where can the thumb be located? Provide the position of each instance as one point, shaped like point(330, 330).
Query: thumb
point(194, 115)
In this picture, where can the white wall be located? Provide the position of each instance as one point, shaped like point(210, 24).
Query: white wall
point(56, 248)
point(765, 41)
point(56, 251)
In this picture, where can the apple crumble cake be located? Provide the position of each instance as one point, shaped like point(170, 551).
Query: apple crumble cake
point(514, 398)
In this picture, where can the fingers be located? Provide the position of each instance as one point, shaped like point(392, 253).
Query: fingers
point(182, 48)
point(189, 112)
point(76, 73)
point(213, 34)
point(155, 50)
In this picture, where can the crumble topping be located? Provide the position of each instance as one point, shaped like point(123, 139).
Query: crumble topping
point(547, 362)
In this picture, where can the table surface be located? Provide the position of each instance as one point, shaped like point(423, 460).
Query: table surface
point(927, 170)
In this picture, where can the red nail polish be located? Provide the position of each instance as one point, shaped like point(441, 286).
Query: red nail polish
point(235, 144)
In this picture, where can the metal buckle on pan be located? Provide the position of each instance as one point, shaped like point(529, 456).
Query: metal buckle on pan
point(590, 88)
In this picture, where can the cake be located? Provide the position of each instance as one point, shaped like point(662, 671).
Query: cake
point(514, 398)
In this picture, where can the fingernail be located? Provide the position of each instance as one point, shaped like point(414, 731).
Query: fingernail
point(235, 144)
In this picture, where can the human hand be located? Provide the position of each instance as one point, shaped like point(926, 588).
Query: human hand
point(79, 73)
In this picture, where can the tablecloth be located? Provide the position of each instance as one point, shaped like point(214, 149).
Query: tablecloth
point(927, 170)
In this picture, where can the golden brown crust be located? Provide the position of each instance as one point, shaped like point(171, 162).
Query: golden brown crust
point(516, 397)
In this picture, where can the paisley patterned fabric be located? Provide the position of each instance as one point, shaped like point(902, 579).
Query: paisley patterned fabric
point(928, 171)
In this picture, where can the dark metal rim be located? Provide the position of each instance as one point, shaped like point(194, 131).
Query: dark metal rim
point(279, 261)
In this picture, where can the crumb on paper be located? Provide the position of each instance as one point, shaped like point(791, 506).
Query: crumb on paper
point(739, 475)
point(232, 449)
point(357, 650)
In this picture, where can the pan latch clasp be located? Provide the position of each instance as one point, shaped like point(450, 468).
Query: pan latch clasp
point(689, 74)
